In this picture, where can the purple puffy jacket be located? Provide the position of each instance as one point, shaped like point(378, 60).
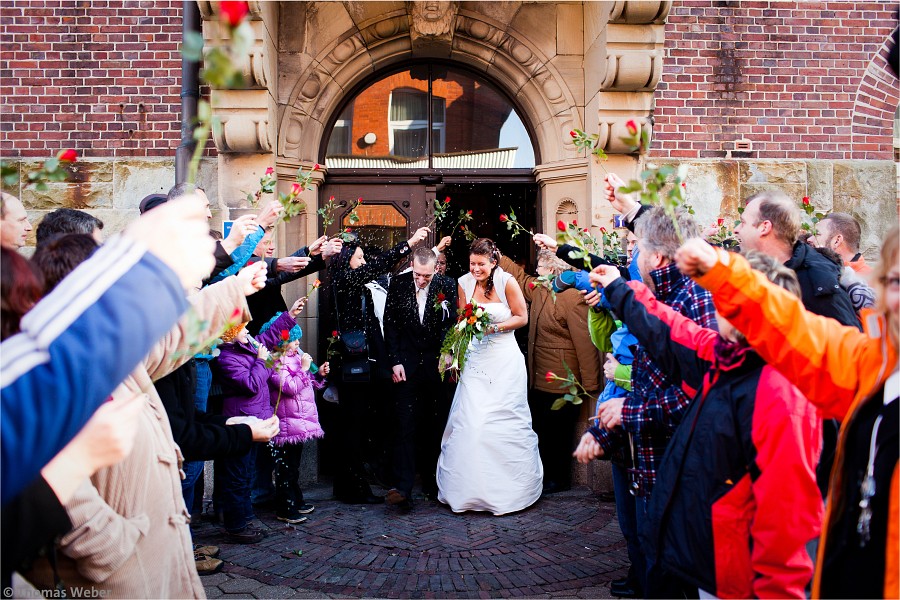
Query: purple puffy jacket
point(244, 377)
point(299, 417)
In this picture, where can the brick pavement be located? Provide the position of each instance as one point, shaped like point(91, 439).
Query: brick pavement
point(568, 545)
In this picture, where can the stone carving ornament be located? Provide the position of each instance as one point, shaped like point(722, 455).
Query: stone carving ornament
point(432, 18)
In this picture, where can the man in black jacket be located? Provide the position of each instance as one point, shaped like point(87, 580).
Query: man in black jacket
point(420, 308)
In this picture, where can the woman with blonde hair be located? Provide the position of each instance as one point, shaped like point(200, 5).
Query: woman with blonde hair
point(849, 375)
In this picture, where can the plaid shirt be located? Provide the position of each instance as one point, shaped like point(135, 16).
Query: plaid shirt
point(654, 407)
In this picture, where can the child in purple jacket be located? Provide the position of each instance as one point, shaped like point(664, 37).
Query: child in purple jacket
point(241, 367)
point(292, 387)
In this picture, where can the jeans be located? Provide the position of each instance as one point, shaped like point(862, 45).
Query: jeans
point(625, 511)
point(263, 489)
point(194, 469)
point(234, 478)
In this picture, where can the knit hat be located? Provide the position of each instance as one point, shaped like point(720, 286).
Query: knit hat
point(293, 335)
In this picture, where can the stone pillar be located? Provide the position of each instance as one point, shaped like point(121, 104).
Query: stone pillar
point(246, 139)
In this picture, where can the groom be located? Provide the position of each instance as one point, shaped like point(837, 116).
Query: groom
point(420, 308)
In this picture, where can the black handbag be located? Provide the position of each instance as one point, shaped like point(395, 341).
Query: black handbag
point(355, 367)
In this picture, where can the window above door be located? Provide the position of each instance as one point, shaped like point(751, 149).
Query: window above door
point(429, 116)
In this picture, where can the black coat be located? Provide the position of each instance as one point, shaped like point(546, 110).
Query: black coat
point(409, 342)
point(348, 288)
point(821, 286)
point(268, 302)
point(200, 435)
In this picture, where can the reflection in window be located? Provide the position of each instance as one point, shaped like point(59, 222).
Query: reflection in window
point(379, 225)
point(472, 125)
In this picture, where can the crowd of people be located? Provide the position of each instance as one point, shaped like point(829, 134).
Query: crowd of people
point(747, 401)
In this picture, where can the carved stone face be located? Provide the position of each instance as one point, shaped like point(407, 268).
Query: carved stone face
point(432, 17)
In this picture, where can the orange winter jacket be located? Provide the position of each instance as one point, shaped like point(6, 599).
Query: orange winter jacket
point(838, 368)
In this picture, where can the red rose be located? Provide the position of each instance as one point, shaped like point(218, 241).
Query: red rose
point(573, 134)
point(469, 212)
point(447, 200)
point(575, 222)
point(462, 227)
point(560, 225)
point(720, 222)
point(236, 314)
point(530, 285)
point(68, 155)
point(550, 376)
point(269, 171)
point(334, 333)
point(684, 184)
point(359, 200)
point(316, 167)
point(331, 199)
point(805, 200)
point(233, 12)
point(603, 230)
point(632, 127)
point(285, 334)
point(347, 230)
point(504, 218)
point(441, 297)
point(296, 189)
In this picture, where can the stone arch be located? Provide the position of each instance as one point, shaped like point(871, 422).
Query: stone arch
point(877, 99)
point(482, 44)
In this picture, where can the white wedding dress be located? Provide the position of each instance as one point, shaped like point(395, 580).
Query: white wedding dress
point(489, 453)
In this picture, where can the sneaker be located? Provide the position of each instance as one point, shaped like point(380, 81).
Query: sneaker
point(292, 518)
point(210, 551)
point(247, 535)
point(305, 509)
point(206, 565)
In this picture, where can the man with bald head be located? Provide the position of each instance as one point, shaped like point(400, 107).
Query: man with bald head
point(14, 223)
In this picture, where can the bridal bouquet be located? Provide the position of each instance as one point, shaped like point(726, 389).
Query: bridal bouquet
point(472, 323)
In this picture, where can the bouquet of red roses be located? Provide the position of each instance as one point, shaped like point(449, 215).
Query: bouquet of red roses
point(472, 323)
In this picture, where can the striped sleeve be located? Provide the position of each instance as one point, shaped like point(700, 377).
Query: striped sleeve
point(75, 347)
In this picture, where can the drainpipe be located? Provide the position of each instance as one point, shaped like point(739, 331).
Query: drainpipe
point(190, 92)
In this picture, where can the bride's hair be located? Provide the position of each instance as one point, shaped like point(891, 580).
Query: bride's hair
point(487, 247)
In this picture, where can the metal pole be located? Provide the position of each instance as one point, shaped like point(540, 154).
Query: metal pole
point(190, 93)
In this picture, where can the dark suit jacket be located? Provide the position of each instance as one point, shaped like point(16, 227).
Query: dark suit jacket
point(410, 343)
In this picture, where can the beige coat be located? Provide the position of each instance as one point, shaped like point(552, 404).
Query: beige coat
point(557, 332)
point(130, 534)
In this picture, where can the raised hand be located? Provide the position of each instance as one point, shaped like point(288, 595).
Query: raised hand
point(622, 203)
point(240, 229)
point(419, 236)
point(252, 278)
point(444, 243)
point(262, 352)
point(298, 306)
point(696, 257)
point(604, 275)
point(324, 369)
point(317, 246)
point(269, 214)
point(545, 242)
point(292, 264)
point(177, 233)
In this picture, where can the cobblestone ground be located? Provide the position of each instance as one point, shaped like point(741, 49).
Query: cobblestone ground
point(568, 545)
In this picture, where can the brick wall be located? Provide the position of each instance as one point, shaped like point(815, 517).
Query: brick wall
point(100, 76)
point(800, 80)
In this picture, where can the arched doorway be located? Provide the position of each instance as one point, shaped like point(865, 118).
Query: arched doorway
point(411, 136)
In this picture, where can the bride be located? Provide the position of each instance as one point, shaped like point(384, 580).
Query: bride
point(489, 453)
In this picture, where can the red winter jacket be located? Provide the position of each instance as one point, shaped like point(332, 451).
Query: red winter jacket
point(735, 500)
